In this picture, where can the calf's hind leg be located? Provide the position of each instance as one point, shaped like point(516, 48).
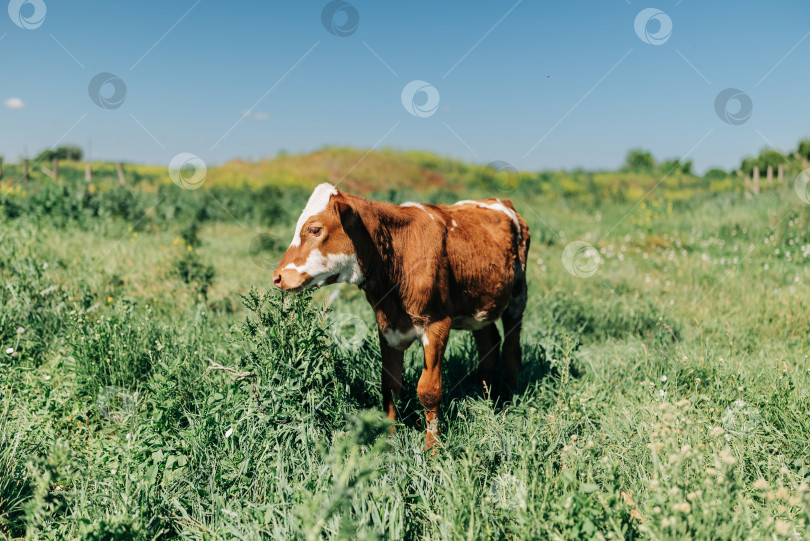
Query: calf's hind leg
point(512, 355)
point(512, 318)
point(391, 378)
point(488, 342)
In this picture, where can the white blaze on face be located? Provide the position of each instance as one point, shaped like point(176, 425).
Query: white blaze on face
point(321, 267)
point(318, 202)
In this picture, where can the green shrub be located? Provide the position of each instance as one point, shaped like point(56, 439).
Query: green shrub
point(193, 272)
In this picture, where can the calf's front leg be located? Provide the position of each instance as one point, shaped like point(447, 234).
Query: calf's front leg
point(429, 388)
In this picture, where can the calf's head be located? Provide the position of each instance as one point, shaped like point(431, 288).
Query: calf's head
point(320, 252)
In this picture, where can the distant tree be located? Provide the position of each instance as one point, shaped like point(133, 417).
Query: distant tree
point(804, 149)
point(747, 165)
point(675, 166)
point(66, 152)
point(639, 160)
point(715, 174)
point(766, 157)
point(45, 156)
point(772, 158)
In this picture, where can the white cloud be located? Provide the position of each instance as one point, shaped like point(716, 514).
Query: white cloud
point(14, 103)
point(255, 116)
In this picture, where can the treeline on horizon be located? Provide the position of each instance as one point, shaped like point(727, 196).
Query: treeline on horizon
point(265, 190)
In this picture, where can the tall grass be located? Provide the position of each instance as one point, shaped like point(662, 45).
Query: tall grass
point(666, 397)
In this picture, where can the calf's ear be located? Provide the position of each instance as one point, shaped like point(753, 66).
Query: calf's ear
point(354, 228)
point(348, 216)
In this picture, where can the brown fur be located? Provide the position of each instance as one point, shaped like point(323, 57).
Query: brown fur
point(432, 268)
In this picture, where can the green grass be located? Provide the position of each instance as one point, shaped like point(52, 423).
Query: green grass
point(152, 393)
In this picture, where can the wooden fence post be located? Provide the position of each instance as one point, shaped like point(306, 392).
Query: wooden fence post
point(780, 173)
point(88, 173)
point(770, 174)
point(26, 172)
point(751, 186)
point(120, 170)
point(1, 168)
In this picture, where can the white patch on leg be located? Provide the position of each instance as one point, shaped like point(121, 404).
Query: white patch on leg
point(401, 340)
point(420, 331)
point(317, 203)
point(321, 267)
point(398, 339)
point(433, 425)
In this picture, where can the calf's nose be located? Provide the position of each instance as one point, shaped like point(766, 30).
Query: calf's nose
point(277, 280)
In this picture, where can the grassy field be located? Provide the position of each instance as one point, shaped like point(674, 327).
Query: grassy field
point(152, 388)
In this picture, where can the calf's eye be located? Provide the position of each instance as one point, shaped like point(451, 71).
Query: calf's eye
point(315, 231)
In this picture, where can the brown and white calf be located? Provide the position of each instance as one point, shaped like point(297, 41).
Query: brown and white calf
point(425, 269)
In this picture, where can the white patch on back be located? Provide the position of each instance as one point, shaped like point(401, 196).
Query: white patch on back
point(500, 207)
point(317, 203)
point(321, 267)
point(419, 206)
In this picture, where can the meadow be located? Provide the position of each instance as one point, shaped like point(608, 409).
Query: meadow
point(155, 387)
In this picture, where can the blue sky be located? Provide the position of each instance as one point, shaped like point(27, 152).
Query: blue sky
point(541, 85)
